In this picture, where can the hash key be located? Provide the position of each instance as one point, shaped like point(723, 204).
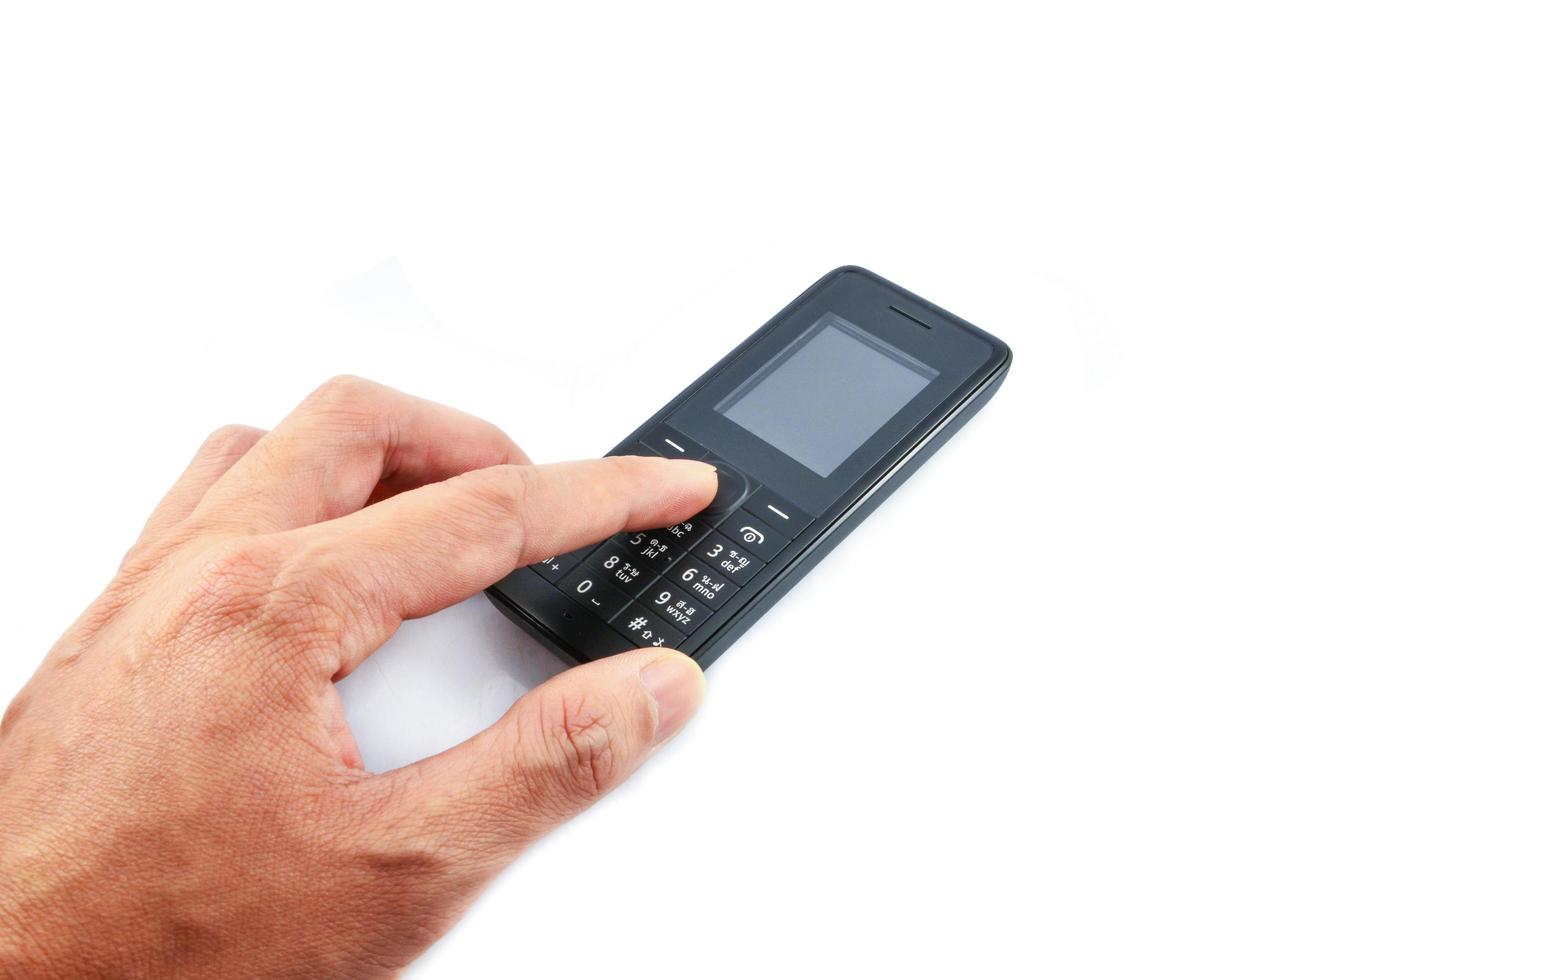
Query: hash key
point(645, 628)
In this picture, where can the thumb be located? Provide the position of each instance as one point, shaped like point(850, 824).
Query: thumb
point(560, 748)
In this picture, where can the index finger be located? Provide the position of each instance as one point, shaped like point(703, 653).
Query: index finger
point(426, 549)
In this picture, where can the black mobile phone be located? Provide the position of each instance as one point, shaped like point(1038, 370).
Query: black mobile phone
point(812, 422)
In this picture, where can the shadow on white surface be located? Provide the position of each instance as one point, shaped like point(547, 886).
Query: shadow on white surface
point(439, 681)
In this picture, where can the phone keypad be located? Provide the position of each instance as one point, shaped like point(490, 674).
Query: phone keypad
point(657, 587)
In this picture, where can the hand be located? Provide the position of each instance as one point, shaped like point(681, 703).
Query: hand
point(179, 792)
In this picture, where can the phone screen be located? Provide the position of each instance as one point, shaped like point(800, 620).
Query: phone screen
point(826, 393)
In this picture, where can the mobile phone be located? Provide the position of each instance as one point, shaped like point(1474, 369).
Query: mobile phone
point(812, 422)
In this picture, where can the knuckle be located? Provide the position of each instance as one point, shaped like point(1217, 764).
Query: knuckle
point(229, 439)
point(344, 388)
point(247, 585)
point(345, 394)
point(503, 488)
point(582, 739)
point(353, 407)
point(230, 576)
point(339, 600)
point(13, 713)
point(500, 495)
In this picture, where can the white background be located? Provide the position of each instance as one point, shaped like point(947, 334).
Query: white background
point(1211, 648)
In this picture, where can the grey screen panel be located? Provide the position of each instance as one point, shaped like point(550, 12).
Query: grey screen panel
point(826, 393)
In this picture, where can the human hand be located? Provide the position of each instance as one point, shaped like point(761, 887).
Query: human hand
point(179, 791)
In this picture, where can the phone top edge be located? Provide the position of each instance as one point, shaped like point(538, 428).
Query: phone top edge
point(1000, 348)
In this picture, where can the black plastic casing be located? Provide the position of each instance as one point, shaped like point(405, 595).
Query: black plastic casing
point(975, 364)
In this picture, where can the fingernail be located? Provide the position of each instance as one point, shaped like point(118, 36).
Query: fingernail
point(676, 684)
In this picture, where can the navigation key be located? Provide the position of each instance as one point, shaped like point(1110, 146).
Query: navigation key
point(787, 519)
point(672, 444)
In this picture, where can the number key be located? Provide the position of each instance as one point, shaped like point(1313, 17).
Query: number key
point(620, 567)
point(656, 549)
point(730, 558)
point(588, 587)
point(686, 533)
point(555, 568)
point(676, 608)
point(701, 580)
